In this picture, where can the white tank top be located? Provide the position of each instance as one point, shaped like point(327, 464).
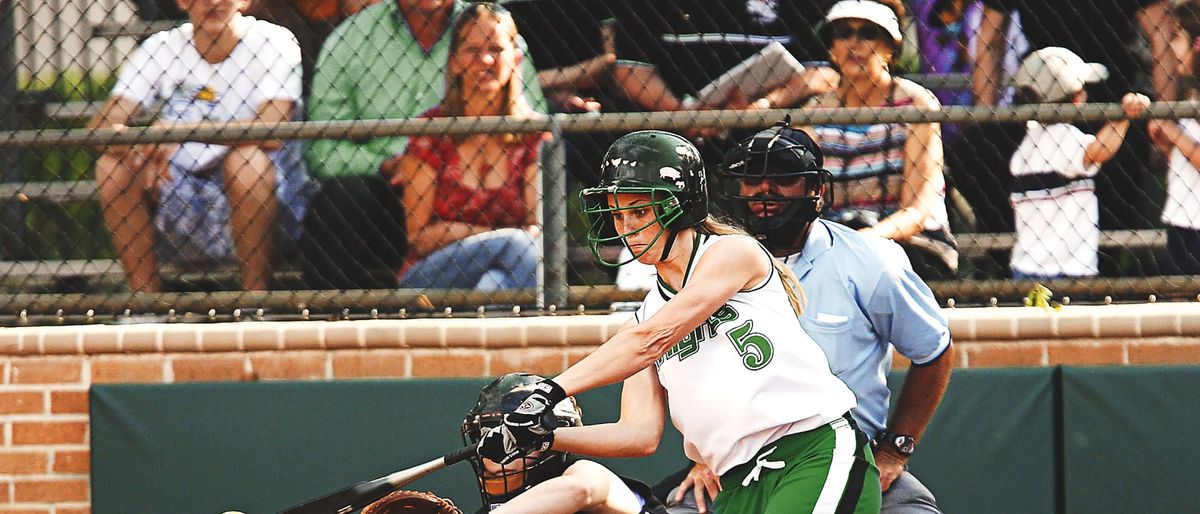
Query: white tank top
point(746, 377)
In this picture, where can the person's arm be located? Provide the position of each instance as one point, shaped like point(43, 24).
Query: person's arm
point(1110, 137)
point(583, 74)
point(275, 110)
point(641, 83)
point(1170, 134)
point(635, 434)
point(924, 181)
point(426, 234)
point(585, 486)
point(116, 112)
point(920, 395)
point(1158, 25)
point(728, 267)
point(813, 80)
point(989, 52)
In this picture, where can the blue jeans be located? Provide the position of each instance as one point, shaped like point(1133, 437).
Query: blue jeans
point(506, 258)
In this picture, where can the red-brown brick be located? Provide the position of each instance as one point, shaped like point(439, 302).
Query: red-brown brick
point(72, 462)
point(69, 402)
point(47, 371)
point(1087, 353)
point(22, 402)
point(447, 363)
point(1164, 352)
point(50, 491)
point(23, 463)
point(49, 432)
point(128, 369)
point(373, 364)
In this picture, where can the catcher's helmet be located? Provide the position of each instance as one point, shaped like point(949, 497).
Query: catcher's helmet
point(775, 185)
point(665, 166)
point(497, 483)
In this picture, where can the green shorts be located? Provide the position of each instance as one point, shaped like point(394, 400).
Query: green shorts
point(827, 469)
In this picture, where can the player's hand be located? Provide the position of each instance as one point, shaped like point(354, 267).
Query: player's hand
point(534, 420)
point(890, 467)
point(499, 445)
point(704, 485)
point(1135, 104)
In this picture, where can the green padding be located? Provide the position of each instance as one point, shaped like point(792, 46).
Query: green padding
point(990, 445)
point(1129, 435)
point(262, 447)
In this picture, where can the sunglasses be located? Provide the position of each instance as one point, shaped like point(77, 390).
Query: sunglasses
point(865, 32)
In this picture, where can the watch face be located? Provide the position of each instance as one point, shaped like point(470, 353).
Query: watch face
point(904, 443)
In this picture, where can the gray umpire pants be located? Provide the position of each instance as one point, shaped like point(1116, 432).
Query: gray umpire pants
point(907, 495)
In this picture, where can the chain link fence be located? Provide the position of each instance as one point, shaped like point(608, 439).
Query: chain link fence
point(352, 158)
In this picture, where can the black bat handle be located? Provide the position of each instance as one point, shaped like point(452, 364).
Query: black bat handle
point(459, 455)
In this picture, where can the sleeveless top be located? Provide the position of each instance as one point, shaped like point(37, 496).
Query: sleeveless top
point(503, 206)
point(867, 161)
point(746, 377)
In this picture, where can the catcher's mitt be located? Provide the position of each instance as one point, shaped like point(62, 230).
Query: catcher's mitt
point(412, 502)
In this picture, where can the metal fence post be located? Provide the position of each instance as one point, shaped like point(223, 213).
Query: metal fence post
point(12, 241)
point(554, 221)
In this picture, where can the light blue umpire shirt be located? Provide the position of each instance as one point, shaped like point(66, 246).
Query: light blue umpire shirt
point(862, 295)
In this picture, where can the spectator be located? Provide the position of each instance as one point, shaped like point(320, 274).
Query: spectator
point(385, 62)
point(1054, 200)
point(888, 177)
point(471, 202)
point(310, 21)
point(1100, 31)
point(548, 481)
point(1180, 141)
point(197, 202)
point(947, 31)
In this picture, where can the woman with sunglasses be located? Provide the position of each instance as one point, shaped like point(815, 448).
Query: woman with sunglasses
point(887, 177)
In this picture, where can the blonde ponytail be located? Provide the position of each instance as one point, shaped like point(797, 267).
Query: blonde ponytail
point(791, 285)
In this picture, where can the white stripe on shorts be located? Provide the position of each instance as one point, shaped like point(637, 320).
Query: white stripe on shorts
point(839, 469)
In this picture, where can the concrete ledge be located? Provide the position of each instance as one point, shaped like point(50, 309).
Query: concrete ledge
point(970, 324)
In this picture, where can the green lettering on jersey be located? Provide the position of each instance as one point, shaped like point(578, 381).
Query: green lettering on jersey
point(691, 342)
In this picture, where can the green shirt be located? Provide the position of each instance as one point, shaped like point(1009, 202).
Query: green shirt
point(372, 67)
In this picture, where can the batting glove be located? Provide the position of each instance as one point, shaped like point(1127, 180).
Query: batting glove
point(499, 445)
point(534, 419)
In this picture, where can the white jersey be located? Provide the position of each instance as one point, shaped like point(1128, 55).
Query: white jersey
point(1055, 211)
point(746, 377)
point(1182, 206)
point(167, 68)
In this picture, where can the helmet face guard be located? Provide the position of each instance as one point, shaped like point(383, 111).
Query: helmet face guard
point(599, 203)
point(664, 166)
point(773, 183)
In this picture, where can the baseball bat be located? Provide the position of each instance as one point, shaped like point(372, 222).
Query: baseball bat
point(364, 493)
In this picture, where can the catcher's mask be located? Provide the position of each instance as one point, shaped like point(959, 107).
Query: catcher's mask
point(501, 483)
point(667, 169)
point(774, 184)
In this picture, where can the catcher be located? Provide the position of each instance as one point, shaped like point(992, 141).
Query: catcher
point(545, 482)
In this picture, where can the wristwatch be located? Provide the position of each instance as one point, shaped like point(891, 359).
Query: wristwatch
point(904, 444)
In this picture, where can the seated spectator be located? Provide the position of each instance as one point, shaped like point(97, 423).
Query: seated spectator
point(386, 62)
point(888, 177)
point(197, 202)
point(1057, 216)
point(471, 201)
point(310, 21)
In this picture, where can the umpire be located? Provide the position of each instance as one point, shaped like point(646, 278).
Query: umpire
point(864, 298)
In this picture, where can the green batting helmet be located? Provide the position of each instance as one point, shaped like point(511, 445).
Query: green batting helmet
point(663, 165)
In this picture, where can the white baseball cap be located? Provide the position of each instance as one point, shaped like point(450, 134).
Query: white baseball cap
point(867, 10)
point(1056, 73)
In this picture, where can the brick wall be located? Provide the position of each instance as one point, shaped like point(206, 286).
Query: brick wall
point(46, 371)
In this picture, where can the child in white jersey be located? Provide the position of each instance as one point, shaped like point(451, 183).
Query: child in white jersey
point(1056, 214)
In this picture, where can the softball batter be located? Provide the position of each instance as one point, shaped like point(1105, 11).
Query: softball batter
point(717, 341)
